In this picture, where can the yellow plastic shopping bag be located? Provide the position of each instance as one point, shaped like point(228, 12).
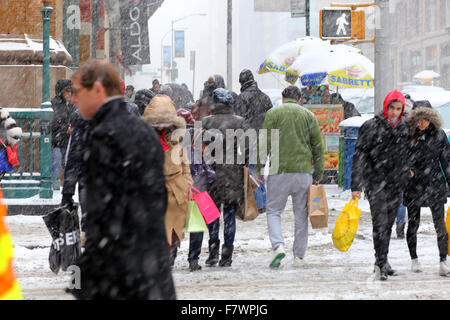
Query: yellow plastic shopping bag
point(346, 225)
point(447, 224)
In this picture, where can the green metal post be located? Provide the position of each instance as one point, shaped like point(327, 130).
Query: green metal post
point(45, 153)
point(46, 12)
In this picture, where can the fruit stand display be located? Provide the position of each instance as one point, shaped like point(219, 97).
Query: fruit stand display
point(319, 101)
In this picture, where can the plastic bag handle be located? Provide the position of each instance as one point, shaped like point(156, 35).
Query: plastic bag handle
point(193, 188)
point(354, 202)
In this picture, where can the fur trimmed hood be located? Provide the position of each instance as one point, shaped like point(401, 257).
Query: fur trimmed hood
point(424, 113)
point(161, 111)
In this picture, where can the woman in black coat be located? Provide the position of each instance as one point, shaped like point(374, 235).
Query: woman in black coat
point(428, 158)
point(228, 187)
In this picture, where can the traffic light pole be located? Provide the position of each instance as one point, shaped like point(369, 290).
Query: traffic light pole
point(230, 45)
point(308, 21)
point(382, 61)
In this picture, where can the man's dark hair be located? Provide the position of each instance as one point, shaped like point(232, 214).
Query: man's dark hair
point(155, 81)
point(292, 92)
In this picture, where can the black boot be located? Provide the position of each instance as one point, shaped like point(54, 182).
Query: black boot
point(390, 271)
point(173, 252)
point(194, 266)
point(227, 253)
point(400, 229)
point(213, 257)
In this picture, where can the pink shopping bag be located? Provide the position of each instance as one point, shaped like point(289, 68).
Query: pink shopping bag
point(205, 204)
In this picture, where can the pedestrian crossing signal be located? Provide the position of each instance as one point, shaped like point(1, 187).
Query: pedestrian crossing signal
point(342, 23)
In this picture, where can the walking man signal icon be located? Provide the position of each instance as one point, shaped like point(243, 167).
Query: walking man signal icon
point(341, 23)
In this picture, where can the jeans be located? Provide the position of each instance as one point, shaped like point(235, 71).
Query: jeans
point(58, 163)
point(229, 230)
point(401, 213)
point(260, 193)
point(196, 238)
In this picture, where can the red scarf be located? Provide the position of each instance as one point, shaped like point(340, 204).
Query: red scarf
point(162, 139)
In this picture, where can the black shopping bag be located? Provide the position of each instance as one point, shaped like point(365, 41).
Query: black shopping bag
point(63, 225)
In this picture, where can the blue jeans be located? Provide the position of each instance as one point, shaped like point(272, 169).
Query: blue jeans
point(260, 193)
point(58, 163)
point(196, 238)
point(401, 213)
point(229, 230)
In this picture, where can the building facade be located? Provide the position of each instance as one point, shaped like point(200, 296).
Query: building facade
point(420, 39)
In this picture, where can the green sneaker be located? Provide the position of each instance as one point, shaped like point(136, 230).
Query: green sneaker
point(278, 255)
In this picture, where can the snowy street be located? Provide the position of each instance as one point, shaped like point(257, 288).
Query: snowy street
point(326, 274)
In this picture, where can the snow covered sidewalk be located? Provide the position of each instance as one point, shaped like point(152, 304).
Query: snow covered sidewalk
point(326, 274)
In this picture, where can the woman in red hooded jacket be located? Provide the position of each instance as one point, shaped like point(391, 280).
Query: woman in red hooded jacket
point(380, 168)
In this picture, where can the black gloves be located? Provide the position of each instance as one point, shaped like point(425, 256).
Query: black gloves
point(67, 200)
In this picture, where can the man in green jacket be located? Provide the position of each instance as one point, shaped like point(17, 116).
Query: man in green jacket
point(294, 144)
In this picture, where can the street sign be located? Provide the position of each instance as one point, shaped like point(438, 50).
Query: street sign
point(179, 44)
point(272, 6)
point(167, 53)
point(134, 33)
point(336, 23)
point(298, 8)
point(342, 23)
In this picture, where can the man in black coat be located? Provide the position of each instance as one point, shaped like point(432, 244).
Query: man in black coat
point(62, 109)
point(380, 167)
point(252, 104)
point(126, 254)
point(73, 171)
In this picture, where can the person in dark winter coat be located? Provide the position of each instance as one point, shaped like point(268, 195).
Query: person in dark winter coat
point(428, 159)
point(380, 168)
point(228, 187)
point(62, 109)
point(349, 108)
point(73, 172)
point(252, 104)
point(202, 175)
point(143, 98)
point(126, 254)
point(220, 83)
point(155, 87)
point(203, 106)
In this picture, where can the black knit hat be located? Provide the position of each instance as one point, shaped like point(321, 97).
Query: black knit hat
point(422, 104)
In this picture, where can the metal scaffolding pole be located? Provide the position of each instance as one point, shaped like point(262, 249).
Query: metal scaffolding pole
point(382, 61)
